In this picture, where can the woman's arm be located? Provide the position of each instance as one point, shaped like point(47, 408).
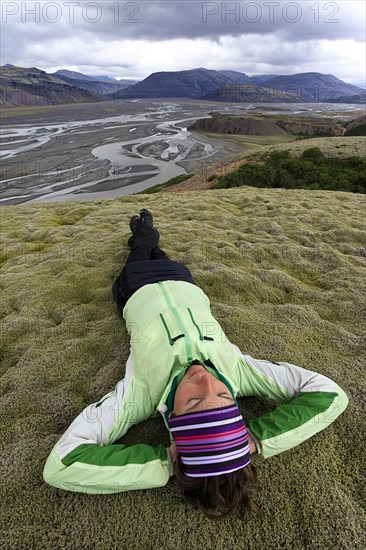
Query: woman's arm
point(84, 459)
point(309, 402)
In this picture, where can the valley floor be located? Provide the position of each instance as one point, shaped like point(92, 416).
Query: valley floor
point(103, 150)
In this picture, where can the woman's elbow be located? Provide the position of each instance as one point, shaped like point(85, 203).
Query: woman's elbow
point(52, 469)
point(342, 400)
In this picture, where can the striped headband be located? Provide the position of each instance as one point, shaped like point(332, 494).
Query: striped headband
point(211, 442)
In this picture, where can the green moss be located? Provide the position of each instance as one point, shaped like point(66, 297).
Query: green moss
point(284, 271)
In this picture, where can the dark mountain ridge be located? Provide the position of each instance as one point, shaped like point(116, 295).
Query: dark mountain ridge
point(250, 93)
point(313, 87)
point(357, 99)
point(209, 84)
point(32, 86)
point(193, 83)
point(72, 75)
point(236, 77)
point(98, 87)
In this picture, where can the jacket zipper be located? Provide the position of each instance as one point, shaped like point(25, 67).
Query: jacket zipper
point(187, 339)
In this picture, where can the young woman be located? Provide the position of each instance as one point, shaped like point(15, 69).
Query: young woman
point(182, 366)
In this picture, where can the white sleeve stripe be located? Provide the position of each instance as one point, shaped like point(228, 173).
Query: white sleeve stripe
point(292, 378)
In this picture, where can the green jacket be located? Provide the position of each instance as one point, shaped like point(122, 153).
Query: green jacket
point(170, 324)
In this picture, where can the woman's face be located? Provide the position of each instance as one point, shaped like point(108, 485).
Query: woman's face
point(199, 390)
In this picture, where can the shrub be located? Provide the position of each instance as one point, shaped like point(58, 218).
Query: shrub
point(312, 170)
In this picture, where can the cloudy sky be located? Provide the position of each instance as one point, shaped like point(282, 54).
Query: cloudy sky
point(132, 39)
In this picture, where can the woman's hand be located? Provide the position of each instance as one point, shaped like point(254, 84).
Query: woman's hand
point(252, 445)
point(173, 452)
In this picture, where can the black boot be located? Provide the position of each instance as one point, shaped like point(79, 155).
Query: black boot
point(135, 220)
point(147, 218)
point(134, 223)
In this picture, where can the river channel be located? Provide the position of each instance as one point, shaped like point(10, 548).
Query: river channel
point(66, 154)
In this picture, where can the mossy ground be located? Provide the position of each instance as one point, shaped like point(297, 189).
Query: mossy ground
point(284, 270)
point(341, 147)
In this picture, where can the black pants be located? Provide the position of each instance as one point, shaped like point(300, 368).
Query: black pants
point(146, 264)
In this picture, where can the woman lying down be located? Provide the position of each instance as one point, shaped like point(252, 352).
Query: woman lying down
point(183, 366)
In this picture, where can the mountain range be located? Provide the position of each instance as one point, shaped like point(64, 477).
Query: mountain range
point(312, 87)
point(194, 83)
point(32, 86)
point(250, 93)
point(100, 85)
point(212, 85)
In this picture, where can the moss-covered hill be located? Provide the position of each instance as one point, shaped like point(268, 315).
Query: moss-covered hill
point(284, 271)
point(343, 147)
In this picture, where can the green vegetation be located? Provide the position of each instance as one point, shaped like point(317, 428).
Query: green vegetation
point(283, 119)
point(22, 111)
point(169, 183)
point(312, 170)
point(351, 146)
point(284, 271)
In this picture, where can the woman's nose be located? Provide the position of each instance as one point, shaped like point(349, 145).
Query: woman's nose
point(205, 380)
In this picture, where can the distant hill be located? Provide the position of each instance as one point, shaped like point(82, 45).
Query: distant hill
point(200, 83)
point(250, 93)
point(358, 99)
point(235, 77)
point(106, 78)
point(331, 147)
point(268, 126)
point(195, 83)
point(81, 76)
point(260, 78)
point(313, 87)
point(356, 127)
point(98, 87)
point(72, 75)
point(222, 86)
point(31, 86)
point(244, 125)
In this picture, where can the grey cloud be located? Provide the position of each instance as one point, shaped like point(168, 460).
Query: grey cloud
point(163, 20)
point(169, 19)
point(26, 42)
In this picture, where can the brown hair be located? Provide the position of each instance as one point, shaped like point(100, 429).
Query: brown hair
point(228, 491)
